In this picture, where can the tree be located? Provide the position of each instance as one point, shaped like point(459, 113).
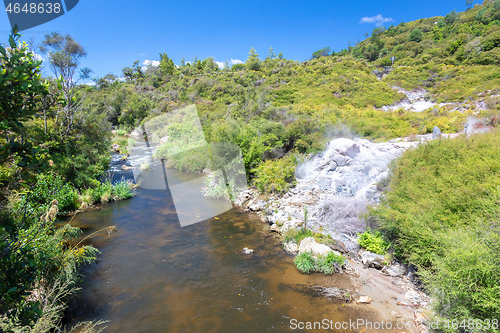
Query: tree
point(416, 35)
point(451, 17)
point(324, 52)
point(253, 61)
point(167, 66)
point(210, 65)
point(134, 72)
point(199, 65)
point(270, 54)
point(105, 81)
point(23, 93)
point(469, 3)
point(65, 54)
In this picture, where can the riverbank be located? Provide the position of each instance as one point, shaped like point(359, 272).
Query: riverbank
point(332, 193)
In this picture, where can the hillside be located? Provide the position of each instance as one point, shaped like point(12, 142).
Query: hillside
point(276, 106)
point(456, 57)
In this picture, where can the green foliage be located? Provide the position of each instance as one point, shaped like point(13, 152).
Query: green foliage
point(416, 35)
point(167, 66)
point(123, 190)
point(35, 257)
point(468, 37)
point(307, 263)
point(49, 187)
point(442, 215)
point(372, 242)
point(324, 52)
point(22, 92)
point(253, 61)
point(297, 235)
point(275, 176)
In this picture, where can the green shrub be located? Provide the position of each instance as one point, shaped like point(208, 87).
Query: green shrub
point(50, 187)
point(123, 190)
point(306, 262)
point(416, 35)
point(372, 242)
point(275, 176)
point(442, 215)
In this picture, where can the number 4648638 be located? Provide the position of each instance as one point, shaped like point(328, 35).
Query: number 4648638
point(34, 8)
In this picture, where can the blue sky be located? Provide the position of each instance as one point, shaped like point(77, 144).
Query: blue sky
point(116, 33)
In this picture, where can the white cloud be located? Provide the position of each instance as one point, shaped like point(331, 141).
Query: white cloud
point(235, 61)
point(220, 64)
point(377, 19)
point(154, 63)
point(37, 56)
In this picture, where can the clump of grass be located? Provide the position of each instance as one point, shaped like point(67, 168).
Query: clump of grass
point(123, 190)
point(325, 264)
point(305, 262)
point(373, 242)
point(297, 235)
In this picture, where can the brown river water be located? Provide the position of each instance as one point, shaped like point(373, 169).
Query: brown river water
point(155, 276)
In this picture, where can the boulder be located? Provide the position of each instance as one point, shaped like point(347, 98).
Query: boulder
point(436, 132)
point(371, 259)
point(346, 147)
point(274, 227)
point(394, 270)
point(310, 245)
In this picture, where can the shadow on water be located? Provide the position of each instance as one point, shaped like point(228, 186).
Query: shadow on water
point(155, 276)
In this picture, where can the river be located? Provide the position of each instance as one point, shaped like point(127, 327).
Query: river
point(155, 276)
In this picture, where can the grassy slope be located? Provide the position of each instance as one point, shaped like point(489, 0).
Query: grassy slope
point(456, 57)
point(442, 214)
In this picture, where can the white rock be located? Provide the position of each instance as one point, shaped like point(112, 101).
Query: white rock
point(247, 251)
point(371, 259)
point(394, 270)
point(256, 205)
point(290, 247)
point(364, 300)
point(346, 147)
point(310, 245)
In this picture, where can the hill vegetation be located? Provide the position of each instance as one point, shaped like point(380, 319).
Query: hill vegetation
point(274, 107)
point(56, 137)
point(442, 212)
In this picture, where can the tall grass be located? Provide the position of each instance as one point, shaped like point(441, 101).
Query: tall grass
point(443, 215)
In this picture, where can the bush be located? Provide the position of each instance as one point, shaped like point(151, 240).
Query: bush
point(416, 35)
point(123, 190)
point(51, 187)
point(372, 242)
point(306, 262)
point(275, 176)
point(442, 215)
